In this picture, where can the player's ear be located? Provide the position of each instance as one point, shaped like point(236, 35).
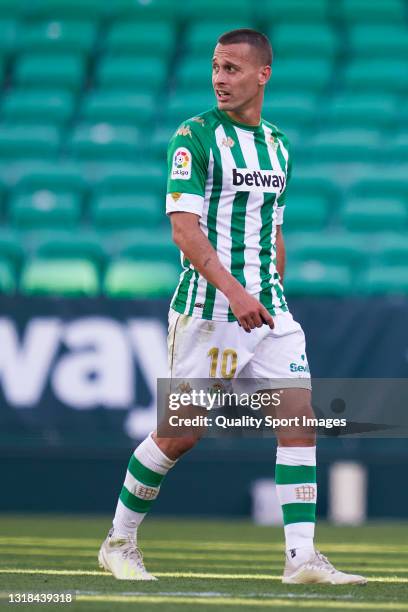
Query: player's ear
point(264, 75)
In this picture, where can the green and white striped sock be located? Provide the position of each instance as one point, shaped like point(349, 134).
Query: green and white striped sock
point(147, 467)
point(297, 491)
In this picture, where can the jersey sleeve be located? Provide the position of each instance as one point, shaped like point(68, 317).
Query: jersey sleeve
point(187, 166)
point(282, 198)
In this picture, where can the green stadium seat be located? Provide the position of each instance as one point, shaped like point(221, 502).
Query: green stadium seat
point(369, 11)
point(67, 9)
point(42, 106)
point(314, 184)
point(147, 11)
point(62, 244)
point(45, 209)
point(118, 107)
point(305, 212)
point(143, 245)
point(362, 110)
point(290, 110)
point(104, 141)
point(292, 10)
point(144, 74)
point(379, 280)
point(62, 70)
point(194, 74)
point(379, 40)
point(331, 247)
point(350, 145)
point(215, 10)
point(160, 140)
point(8, 35)
point(392, 249)
point(58, 36)
point(144, 279)
point(61, 177)
point(7, 277)
point(12, 9)
point(318, 278)
point(136, 37)
point(375, 214)
point(28, 141)
point(65, 277)
point(388, 183)
point(305, 40)
point(182, 107)
point(380, 75)
point(201, 37)
point(122, 179)
point(126, 210)
point(11, 248)
point(399, 147)
point(2, 71)
point(294, 75)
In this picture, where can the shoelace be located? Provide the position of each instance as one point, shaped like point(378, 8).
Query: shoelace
point(130, 551)
point(324, 561)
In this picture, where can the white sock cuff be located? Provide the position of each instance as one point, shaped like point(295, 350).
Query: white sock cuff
point(299, 535)
point(152, 457)
point(296, 455)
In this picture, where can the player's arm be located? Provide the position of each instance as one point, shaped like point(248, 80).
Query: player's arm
point(195, 245)
point(280, 252)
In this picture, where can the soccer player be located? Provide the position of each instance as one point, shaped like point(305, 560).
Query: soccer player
point(227, 175)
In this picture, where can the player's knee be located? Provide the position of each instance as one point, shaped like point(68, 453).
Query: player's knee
point(175, 447)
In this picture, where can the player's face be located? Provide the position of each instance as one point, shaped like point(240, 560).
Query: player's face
point(237, 76)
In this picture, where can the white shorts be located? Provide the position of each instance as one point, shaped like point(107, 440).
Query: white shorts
point(200, 349)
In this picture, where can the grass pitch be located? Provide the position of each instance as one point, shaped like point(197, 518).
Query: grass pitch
point(201, 565)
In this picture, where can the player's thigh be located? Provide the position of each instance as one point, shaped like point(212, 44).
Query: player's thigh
point(281, 362)
point(294, 412)
point(281, 355)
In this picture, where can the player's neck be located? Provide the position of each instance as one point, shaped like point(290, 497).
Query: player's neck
point(251, 117)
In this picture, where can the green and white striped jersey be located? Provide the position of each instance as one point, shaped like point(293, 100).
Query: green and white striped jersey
point(234, 177)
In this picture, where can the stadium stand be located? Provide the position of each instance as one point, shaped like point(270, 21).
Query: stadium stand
point(92, 90)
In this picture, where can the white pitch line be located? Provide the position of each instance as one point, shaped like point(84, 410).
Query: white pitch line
point(209, 575)
point(215, 594)
point(242, 601)
point(193, 546)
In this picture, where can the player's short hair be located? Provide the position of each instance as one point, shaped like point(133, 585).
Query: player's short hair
point(254, 38)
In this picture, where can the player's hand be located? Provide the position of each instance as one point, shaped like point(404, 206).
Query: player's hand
point(249, 312)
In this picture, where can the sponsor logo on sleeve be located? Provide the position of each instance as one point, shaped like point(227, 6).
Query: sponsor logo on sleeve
point(199, 120)
point(268, 181)
point(184, 130)
point(181, 169)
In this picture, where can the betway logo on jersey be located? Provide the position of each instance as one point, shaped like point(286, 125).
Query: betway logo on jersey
point(268, 181)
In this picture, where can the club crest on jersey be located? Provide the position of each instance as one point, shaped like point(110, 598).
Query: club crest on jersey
point(268, 181)
point(228, 142)
point(181, 169)
point(273, 142)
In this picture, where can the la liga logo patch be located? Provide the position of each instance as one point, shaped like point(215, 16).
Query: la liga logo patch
point(181, 164)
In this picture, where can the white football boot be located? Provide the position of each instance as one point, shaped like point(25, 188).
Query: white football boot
point(123, 559)
point(317, 570)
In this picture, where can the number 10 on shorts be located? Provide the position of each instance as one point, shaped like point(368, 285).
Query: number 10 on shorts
point(229, 362)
